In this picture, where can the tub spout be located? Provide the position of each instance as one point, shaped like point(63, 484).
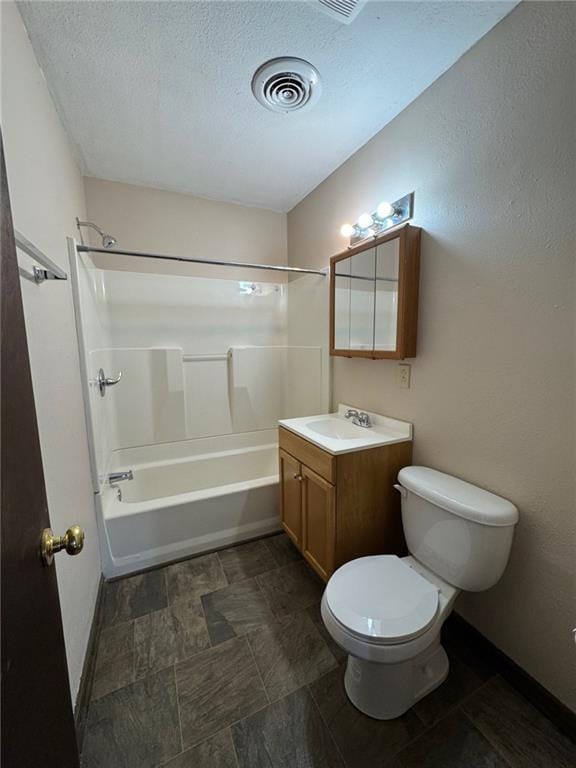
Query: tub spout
point(115, 477)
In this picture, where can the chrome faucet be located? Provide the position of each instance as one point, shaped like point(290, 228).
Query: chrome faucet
point(117, 477)
point(361, 419)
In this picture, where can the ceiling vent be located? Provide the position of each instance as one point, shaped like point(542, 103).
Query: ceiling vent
point(342, 10)
point(286, 84)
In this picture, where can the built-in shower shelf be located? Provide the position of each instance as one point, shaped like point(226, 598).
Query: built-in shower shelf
point(204, 358)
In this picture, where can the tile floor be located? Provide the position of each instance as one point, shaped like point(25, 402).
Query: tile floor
point(222, 661)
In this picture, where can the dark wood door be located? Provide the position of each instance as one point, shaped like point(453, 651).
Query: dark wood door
point(291, 496)
point(37, 718)
point(318, 522)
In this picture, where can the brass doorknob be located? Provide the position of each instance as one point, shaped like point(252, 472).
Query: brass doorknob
point(72, 542)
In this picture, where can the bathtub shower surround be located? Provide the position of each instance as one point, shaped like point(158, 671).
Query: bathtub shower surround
point(191, 497)
point(149, 404)
point(227, 363)
point(266, 381)
point(208, 367)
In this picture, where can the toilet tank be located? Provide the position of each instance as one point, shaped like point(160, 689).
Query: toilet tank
point(459, 531)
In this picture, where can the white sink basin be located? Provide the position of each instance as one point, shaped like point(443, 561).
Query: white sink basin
point(335, 434)
point(337, 429)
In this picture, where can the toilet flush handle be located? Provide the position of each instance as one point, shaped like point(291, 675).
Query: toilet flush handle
point(401, 490)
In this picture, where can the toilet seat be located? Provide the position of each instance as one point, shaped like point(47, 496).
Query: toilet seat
point(382, 600)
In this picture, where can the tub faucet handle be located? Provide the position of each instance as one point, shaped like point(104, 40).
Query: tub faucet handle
point(103, 381)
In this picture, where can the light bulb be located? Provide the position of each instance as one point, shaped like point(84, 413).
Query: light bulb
point(385, 210)
point(365, 221)
point(346, 230)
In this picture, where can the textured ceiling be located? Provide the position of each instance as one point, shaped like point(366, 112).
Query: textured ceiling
point(158, 93)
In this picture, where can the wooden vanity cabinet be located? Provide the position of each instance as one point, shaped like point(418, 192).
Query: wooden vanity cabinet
point(318, 522)
point(291, 496)
point(336, 508)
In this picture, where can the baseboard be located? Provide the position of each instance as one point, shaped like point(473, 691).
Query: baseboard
point(85, 690)
point(563, 717)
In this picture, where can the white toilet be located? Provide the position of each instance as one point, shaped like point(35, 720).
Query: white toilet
point(387, 612)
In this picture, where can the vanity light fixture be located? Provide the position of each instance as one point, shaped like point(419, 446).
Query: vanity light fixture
point(347, 230)
point(385, 210)
point(365, 221)
point(386, 216)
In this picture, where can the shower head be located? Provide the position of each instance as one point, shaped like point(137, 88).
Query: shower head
point(108, 241)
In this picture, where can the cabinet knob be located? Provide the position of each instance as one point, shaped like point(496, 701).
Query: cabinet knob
point(299, 478)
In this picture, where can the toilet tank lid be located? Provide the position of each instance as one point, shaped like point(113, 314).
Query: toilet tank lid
point(459, 497)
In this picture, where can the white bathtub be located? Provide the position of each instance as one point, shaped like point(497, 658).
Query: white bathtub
point(190, 497)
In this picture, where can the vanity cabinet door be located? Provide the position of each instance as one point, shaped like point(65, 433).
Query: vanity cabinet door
point(291, 496)
point(318, 522)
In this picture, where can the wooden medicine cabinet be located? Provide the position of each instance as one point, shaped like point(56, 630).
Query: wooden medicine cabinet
point(374, 297)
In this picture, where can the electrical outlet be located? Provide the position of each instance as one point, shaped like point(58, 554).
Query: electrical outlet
point(404, 375)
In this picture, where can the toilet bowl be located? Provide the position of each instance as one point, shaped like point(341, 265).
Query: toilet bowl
point(387, 612)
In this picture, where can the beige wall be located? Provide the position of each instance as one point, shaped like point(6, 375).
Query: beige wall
point(47, 193)
point(147, 219)
point(489, 150)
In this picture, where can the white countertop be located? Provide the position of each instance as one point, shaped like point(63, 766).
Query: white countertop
point(336, 434)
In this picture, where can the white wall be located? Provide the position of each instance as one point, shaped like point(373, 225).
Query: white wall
point(47, 193)
point(489, 150)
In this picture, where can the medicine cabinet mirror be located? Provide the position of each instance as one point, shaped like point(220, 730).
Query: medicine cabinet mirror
point(374, 297)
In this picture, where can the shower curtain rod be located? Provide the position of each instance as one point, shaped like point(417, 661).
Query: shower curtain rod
point(193, 260)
